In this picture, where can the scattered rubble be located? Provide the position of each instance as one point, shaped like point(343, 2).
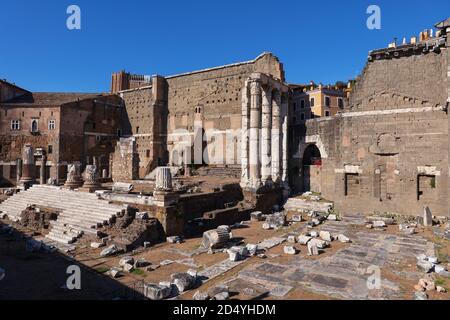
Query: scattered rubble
point(174, 239)
point(141, 263)
point(321, 244)
point(183, 281)
point(332, 217)
point(126, 260)
point(37, 219)
point(237, 253)
point(111, 250)
point(297, 218)
point(256, 216)
point(252, 249)
point(313, 250)
point(290, 250)
point(418, 295)
point(275, 221)
point(325, 235)
point(302, 239)
point(200, 296)
point(379, 224)
point(427, 217)
point(114, 272)
point(156, 292)
point(342, 238)
point(97, 245)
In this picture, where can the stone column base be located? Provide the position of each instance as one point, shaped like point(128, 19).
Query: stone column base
point(90, 187)
point(165, 198)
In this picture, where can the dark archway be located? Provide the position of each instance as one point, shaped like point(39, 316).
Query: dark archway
point(312, 165)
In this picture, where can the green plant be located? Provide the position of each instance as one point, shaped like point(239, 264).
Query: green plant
point(102, 269)
point(138, 272)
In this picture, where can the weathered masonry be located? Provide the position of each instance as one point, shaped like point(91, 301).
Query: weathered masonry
point(188, 118)
point(389, 151)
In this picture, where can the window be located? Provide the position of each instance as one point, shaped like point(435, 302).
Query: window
point(341, 103)
point(327, 113)
point(327, 101)
point(51, 124)
point(302, 116)
point(50, 149)
point(295, 107)
point(147, 153)
point(302, 104)
point(312, 102)
point(15, 124)
point(97, 138)
point(137, 129)
point(34, 125)
point(119, 132)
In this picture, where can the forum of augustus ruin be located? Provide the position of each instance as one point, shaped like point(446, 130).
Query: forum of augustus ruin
point(169, 158)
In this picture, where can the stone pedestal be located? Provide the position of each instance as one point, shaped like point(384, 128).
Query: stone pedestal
point(90, 177)
point(28, 166)
point(74, 180)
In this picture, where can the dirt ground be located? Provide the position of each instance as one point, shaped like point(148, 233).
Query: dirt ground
point(41, 275)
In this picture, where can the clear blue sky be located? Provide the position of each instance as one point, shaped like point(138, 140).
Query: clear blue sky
point(323, 40)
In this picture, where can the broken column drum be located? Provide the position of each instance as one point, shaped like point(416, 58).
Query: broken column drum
point(73, 176)
point(163, 179)
point(90, 177)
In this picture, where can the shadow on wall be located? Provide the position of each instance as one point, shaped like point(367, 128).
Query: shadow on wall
point(43, 276)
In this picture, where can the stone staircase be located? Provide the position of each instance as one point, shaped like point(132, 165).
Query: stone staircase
point(80, 212)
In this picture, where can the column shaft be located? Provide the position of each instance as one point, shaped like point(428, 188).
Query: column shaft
point(245, 136)
point(266, 129)
point(284, 143)
point(255, 124)
point(276, 133)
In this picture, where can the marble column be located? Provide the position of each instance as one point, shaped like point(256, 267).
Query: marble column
point(266, 129)
point(255, 124)
point(28, 165)
point(42, 177)
point(245, 135)
point(276, 133)
point(284, 142)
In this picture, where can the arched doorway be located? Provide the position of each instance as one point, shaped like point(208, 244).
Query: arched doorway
point(312, 167)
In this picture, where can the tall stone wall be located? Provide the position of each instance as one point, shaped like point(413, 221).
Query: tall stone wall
point(146, 121)
point(210, 100)
point(389, 151)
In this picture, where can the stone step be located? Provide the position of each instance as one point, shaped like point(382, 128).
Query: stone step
point(86, 230)
point(60, 239)
point(93, 209)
